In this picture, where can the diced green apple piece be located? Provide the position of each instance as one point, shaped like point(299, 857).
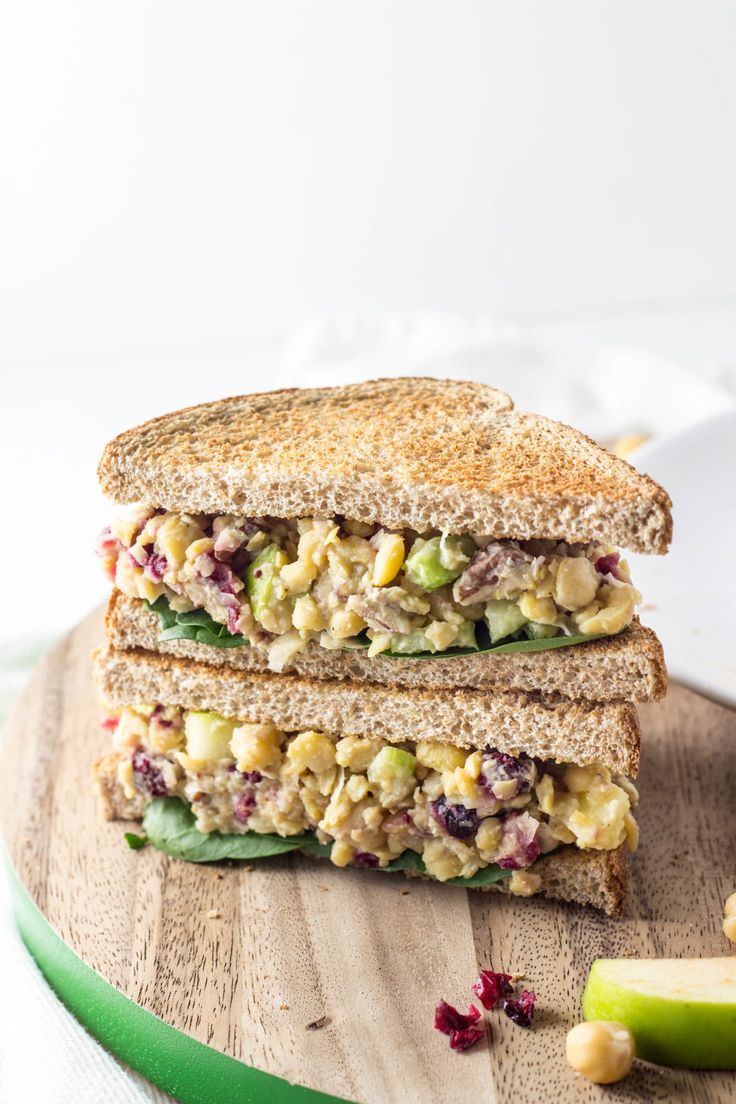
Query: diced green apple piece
point(434, 563)
point(682, 1012)
point(503, 618)
point(259, 578)
point(208, 735)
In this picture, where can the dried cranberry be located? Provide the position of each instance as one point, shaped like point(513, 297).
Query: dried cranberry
point(249, 776)
point(447, 1019)
point(224, 577)
point(156, 566)
point(464, 1040)
point(491, 986)
point(245, 803)
point(147, 775)
point(499, 768)
point(521, 1009)
point(606, 564)
point(455, 819)
point(365, 858)
point(233, 616)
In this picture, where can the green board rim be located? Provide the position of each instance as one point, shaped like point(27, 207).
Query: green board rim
point(190, 1071)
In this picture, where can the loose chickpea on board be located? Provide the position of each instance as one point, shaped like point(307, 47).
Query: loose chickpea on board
point(602, 1051)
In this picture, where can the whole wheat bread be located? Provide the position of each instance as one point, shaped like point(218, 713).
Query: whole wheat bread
point(626, 667)
point(579, 732)
point(597, 878)
point(416, 453)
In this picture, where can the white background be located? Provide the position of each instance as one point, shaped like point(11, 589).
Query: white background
point(183, 186)
point(535, 192)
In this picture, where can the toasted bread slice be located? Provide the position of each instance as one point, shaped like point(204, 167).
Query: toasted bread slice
point(626, 667)
point(583, 732)
point(597, 878)
point(405, 453)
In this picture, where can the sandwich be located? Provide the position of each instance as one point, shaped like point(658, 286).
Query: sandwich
point(414, 532)
point(475, 788)
point(388, 624)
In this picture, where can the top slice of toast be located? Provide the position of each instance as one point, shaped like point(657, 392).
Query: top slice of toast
point(404, 453)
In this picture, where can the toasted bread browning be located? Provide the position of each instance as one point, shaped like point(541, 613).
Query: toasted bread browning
point(460, 809)
point(279, 585)
point(406, 453)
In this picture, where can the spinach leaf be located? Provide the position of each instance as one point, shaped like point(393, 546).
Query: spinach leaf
point(169, 827)
point(135, 842)
point(198, 625)
point(193, 625)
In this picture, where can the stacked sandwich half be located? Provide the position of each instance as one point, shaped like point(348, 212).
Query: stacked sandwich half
point(386, 624)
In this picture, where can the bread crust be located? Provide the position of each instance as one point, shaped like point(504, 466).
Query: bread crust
point(597, 878)
point(626, 667)
point(582, 732)
point(404, 453)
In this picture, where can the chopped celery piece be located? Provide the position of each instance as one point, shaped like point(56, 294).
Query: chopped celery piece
point(259, 578)
point(416, 641)
point(391, 763)
point(535, 630)
point(434, 563)
point(503, 618)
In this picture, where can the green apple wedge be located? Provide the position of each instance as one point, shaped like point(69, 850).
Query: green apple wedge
point(681, 1011)
point(208, 735)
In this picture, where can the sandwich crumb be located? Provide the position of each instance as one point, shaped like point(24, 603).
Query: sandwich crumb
point(214, 914)
point(284, 1007)
point(404, 892)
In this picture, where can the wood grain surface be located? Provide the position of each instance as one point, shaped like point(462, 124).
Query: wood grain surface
point(296, 940)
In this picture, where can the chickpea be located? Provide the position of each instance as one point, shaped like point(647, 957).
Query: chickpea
point(729, 928)
point(600, 1050)
point(729, 908)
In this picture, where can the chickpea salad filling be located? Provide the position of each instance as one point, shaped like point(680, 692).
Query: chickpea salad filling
point(455, 811)
point(278, 584)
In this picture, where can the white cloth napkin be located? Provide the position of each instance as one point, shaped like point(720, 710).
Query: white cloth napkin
point(606, 391)
point(45, 1055)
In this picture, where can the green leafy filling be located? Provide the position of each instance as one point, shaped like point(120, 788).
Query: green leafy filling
point(135, 842)
point(193, 625)
point(198, 625)
point(170, 827)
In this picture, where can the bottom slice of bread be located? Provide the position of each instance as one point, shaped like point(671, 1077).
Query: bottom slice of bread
point(585, 877)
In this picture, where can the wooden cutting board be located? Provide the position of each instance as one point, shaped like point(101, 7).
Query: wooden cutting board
point(295, 941)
